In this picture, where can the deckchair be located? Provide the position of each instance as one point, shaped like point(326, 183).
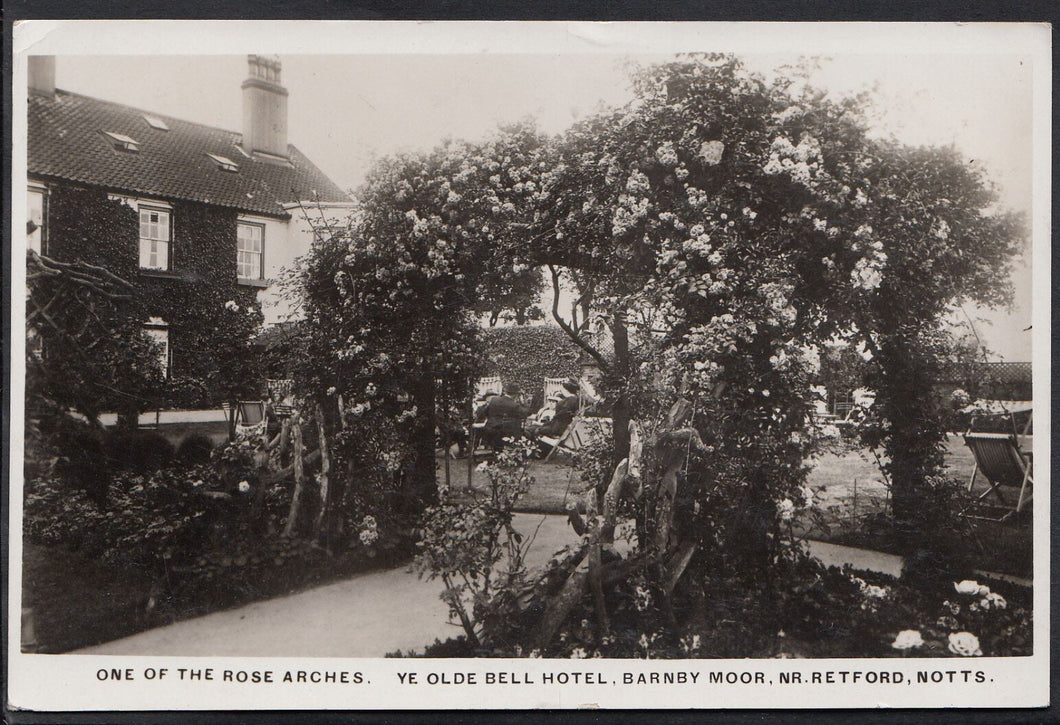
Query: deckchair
point(250, 418)
point(490, 384)
point(1003, 463)
point(581, 431)
point(553, 386)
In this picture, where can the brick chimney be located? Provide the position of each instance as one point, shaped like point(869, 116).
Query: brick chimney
point(264, 107)
point(41, 72)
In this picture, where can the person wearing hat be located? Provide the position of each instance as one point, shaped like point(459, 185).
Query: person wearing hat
point(566, 409)
point(503, 416)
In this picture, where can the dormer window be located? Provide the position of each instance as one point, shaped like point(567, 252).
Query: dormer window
point(224, 163)
point(156, 122)
point(123, 142)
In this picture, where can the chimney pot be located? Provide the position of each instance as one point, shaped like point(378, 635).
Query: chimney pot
point(41, 74)
point(264, 107)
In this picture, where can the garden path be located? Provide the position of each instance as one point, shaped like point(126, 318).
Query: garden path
point(368, 615)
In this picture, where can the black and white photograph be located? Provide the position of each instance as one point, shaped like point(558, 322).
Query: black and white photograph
point(379, 365)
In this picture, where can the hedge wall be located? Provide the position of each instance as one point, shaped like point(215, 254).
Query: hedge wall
point(526, 355)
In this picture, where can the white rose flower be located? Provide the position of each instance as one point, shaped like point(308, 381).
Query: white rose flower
point(786, 509)
point(244, 486)
point(908, 639)
point(965, 644)
point(993, 601)
point(807, 496)
point(711, 152)
point(968, 586)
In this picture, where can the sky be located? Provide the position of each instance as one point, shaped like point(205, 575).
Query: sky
point(345, 111)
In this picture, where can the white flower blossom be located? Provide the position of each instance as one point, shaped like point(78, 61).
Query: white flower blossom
point(244, 486)
point(807, 496)
point(908, 639)
point(965, 644)
point(786, 509)
point(667, 155)
point(969, 586)
point(993, 601)
point(711, 151)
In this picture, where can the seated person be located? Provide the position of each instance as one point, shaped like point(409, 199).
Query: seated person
point(566, 409)
point(503, 416)
point(547, 411)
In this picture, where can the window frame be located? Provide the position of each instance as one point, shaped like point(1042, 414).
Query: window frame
point(260, 225)
point(157, 324)
point(122, 142)
point(37, 188)
point(161, 208)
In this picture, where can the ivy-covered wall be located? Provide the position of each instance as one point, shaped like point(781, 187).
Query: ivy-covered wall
point(526, 355)
point(210, 316)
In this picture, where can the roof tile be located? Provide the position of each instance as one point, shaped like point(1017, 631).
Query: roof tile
point(66, 142)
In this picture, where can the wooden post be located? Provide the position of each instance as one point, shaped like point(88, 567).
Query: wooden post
point(299, 475)
point(320, 526)
point(470, 433)
point(446, 425)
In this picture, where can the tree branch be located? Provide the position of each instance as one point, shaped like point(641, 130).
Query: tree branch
point(565, 326)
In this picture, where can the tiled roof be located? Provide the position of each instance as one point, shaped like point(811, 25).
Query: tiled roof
point(66, 141)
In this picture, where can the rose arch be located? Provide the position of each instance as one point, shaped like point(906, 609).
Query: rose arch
point(723, 228)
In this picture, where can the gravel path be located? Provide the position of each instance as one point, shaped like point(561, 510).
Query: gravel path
point(366, 616)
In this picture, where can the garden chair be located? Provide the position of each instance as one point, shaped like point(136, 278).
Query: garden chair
point(250, 418)
point(489, 384)
point(1003, 463)
point(581, 431)
point(554, 386)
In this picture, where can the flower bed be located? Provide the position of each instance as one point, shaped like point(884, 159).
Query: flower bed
point(818, 613)
point(206, 536)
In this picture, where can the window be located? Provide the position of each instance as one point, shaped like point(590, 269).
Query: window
point(156, 122)
point(250, 254)
point(154, 238)
point(35, 220)
point(843, 402)
point(225, 163)
point(157, 331)
point(123, 142)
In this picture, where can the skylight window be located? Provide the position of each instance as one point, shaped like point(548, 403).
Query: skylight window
point(123, 142)
point(156, 122)
point(225, 163)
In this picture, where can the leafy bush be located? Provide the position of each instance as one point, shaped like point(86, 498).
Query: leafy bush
point(140, 451)
point(81, 463)
point(473, 548)
point(194, 450)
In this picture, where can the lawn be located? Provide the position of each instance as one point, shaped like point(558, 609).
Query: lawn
point(850, 490)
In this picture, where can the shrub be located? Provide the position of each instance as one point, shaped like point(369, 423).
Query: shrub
point(140, 451)
point(81, 462)
point(194, 450)
point(464, 544)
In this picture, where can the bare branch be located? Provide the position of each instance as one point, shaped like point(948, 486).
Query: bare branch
point(565, 326)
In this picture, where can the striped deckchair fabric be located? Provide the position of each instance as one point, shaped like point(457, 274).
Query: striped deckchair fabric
point(1003, 463)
